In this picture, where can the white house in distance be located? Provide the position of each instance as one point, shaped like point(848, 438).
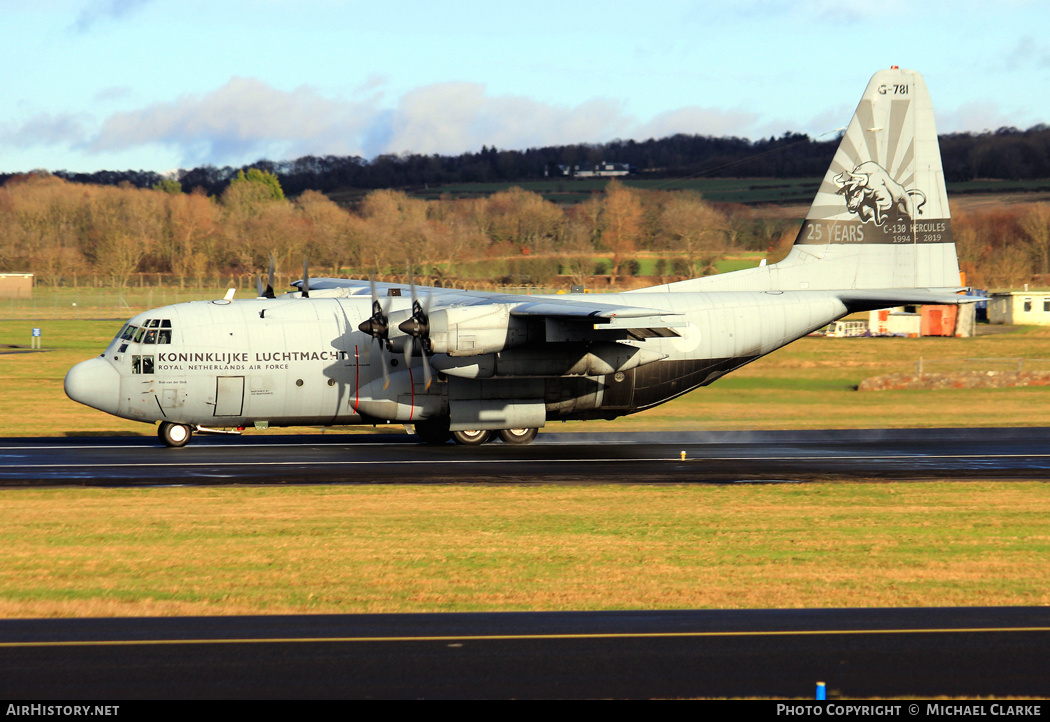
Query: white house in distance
point(1020, 307)
point(598, 170)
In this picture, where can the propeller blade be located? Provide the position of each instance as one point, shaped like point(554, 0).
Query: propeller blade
point(382, 365)
point(427, 377)
point(268, 293)
point(418, 328)
point(418, 325)
point(259, 286)
point(306, 280)
point(377, 326)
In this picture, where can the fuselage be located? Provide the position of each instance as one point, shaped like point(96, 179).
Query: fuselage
point(296, 361)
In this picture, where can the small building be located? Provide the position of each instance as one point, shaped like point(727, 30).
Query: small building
point(1020, 307)
point(929, 320)
point(16, 285)
point(900, 321)
point(598, 170)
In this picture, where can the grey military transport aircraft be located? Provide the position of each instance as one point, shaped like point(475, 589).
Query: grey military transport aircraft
point(473, 365)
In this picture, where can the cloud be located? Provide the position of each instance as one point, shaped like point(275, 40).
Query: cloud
point(456, 117)
point(1026, 55)
point(247, 119)
point(96, 11)
point(116, 92)
point(977, 117)
point(64, 129)
point(699, 121)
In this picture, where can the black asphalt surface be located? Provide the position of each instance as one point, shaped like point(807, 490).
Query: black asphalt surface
point(710, 457)
point(758, 653)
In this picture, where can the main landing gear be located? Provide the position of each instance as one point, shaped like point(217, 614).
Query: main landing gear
point(477, 437)
point(174, 435)
point(473, 437)
point(519, 437)
point(435, 434)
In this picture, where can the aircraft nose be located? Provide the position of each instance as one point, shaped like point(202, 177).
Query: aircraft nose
point(94, 383)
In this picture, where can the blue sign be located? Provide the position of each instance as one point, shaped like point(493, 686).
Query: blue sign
point(36, 333)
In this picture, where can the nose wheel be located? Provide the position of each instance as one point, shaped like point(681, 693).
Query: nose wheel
point(174, 435)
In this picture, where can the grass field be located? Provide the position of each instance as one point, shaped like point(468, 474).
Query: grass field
point(165, 551)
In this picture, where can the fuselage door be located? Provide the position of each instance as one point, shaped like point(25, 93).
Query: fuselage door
point(229, 395)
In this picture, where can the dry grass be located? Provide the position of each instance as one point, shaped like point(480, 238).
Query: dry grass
point(168, 551)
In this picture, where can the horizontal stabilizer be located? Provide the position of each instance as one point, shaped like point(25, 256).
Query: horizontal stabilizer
point(868, 300)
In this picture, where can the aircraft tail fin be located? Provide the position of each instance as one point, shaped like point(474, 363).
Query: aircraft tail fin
point(880, 219)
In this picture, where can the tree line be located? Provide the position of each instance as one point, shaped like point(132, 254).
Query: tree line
point(1007, 153)
point(57, 229)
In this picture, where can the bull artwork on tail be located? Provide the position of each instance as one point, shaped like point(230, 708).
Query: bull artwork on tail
point(873, 194)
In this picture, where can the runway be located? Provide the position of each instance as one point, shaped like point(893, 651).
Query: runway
point(756, 653)
point(710, 457)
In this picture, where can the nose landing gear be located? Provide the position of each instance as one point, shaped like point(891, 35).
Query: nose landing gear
point(174, 435)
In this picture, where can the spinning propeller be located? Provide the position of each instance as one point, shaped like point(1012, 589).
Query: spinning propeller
point(378, 327)
point(268, 291)
point(417, 327)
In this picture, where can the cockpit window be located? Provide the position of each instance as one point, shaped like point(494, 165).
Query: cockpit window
point(154, 330)
point(141, 364)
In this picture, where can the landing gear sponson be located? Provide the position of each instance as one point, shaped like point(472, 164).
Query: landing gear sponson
point(178, 435)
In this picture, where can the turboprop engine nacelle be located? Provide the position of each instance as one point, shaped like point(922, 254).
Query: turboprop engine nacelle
point(475, 330)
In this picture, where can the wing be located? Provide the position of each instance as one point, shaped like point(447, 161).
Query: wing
point(570, 318)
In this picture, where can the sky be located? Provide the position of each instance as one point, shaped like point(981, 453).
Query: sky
point(164, 84)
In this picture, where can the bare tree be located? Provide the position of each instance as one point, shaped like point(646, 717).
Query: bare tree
point(1035, 223)
point(696, 230)
point(621, 223)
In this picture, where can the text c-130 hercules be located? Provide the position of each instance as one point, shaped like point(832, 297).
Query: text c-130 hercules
point(337, 353)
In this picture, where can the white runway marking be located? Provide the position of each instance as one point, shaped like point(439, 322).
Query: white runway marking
point(620, 460)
